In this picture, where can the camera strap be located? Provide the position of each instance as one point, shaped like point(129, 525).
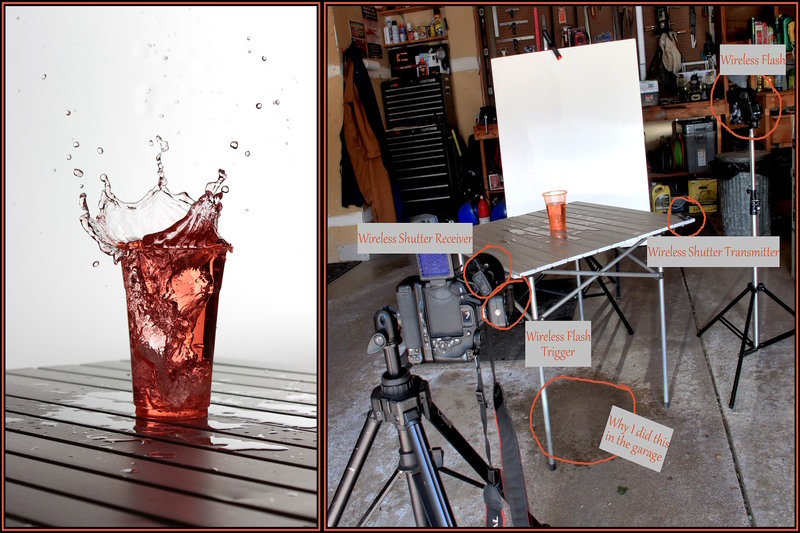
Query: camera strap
point(513, 480)
point(492, 498)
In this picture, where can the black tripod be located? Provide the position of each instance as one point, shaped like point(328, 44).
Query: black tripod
point(750, 346)
point(403, 399)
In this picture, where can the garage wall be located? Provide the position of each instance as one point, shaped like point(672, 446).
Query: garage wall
point(342, 221)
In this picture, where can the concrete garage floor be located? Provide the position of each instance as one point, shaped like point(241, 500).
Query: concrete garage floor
point(724, 467)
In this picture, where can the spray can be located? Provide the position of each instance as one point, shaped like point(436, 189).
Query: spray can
point(402, 33)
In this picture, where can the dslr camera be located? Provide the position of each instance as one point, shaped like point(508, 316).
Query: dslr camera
point(744, 106)
point(439, 317)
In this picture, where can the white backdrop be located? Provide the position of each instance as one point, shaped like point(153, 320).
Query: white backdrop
point(193, 75)
point(559, 131)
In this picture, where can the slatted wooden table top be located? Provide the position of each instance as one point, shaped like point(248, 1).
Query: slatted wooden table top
point(591, 229)
point(76, 455)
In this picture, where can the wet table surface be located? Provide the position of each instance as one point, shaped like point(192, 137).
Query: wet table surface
point(591, 229)
point(76, 455)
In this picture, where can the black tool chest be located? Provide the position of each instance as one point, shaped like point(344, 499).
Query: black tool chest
point(419, 113)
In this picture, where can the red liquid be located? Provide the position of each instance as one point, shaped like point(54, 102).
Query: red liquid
point(172, 280)
point(557, 216)
point(172, 297)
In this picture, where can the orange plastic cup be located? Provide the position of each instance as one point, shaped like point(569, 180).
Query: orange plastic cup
point(556, 202)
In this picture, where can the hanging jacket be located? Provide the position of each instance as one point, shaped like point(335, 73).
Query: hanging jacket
point(364, 150)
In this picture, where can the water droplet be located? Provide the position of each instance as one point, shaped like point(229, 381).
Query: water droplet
point(248, 37)
point(247, 154)
point(276, 102)
point(292, 494)
point(234, 145)
point(225, 189)
point(96, 264)
point(151, 142)
point(246, 210)
point(161, 115)
point(263, 58)
point(99, 149)
point(103, 178)
point(68, 112)
point(54, 170)
point(286, 143)
point(162, 455)
point(165, 58)
point(69, 156)
point(258, 105)
point(249, 51)
point(129, 471)
point(78, 172)
point(44, 76)
point(80, 186)
point(76, 144)
point(177, 101)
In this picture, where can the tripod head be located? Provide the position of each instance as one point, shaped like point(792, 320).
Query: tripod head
point(387, 338)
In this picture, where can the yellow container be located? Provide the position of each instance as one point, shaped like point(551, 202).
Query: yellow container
point(705, 192)
point(660, 198)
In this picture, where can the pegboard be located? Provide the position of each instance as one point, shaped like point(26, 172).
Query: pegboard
point(600, 22)
point(679, 18)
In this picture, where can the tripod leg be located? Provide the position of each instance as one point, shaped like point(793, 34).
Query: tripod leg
point(459, 443)
point(354, 466)
point(379, 498)
point(777, 300)
point(422, 474)
point(719, 315)
point(742, 348)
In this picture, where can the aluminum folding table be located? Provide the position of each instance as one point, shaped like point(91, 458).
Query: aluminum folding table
point(591, 229)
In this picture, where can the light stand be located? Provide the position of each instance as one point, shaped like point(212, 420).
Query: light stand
point(753, 289)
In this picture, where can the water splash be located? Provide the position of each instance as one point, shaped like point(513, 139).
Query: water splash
point(258, 105)
point(120, 226)
point(76, 144)
point(247, 153)
point(234, 145)
point(78, 172)
point(263, 58)
point(68, 112)
point(276, 102)
point(96, 264)
point(99, 149)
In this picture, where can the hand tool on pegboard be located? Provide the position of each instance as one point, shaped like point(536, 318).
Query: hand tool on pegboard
point(586, 18)
point(693, 26)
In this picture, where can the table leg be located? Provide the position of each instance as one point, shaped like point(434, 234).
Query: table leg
point(663, 334)
point(542, 381)
point(580, 293)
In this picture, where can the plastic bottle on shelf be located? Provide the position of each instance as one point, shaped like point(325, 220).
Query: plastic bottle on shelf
point(387, 32)
point(422, 67)
point(402, 33)
point(483, 211)
point(395, 32)
point(437, 23)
